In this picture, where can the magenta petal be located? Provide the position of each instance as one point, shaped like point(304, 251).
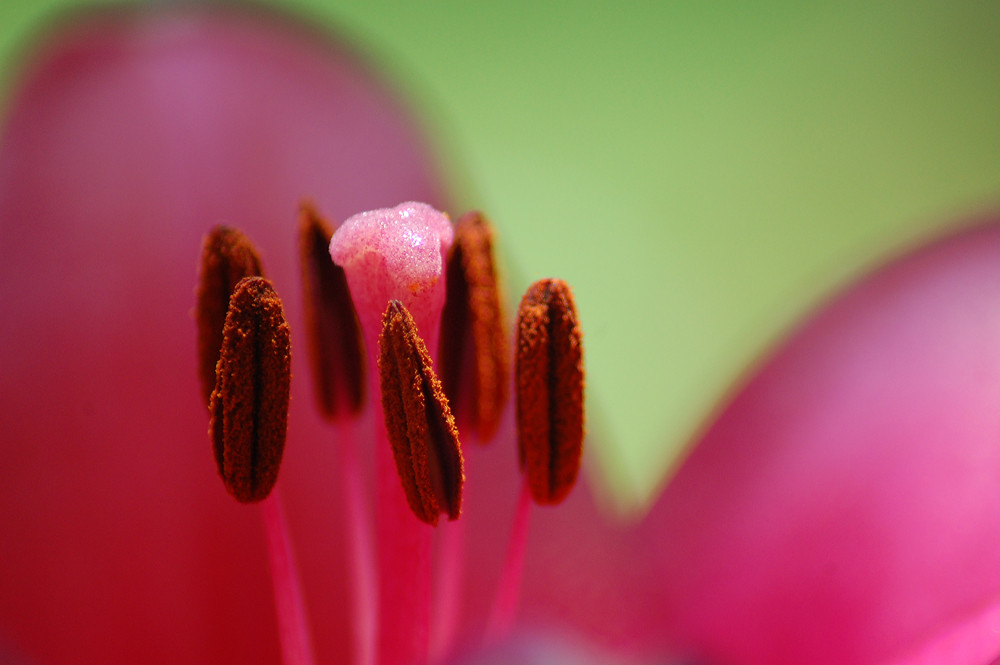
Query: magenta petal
point(133, 134)
point(844, 508)
point(971, 640)
point(841, 510)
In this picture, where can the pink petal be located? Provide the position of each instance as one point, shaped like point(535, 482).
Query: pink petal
point(843, 509)
point(971, 640)
point(133, 134)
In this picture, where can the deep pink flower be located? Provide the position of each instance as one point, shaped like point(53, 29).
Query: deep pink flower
point(132, 135)
point(841, 509)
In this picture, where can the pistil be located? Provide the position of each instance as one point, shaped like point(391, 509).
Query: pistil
point(397, 254)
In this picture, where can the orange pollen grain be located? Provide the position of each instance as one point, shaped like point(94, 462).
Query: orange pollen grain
point(418, 420)
point(336, 348)
point(474, 354)
point(549, 390)
point(249, 406)
point(227, 256)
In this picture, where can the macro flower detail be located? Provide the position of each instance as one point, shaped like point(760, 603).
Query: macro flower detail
point(387, 257)
point(839, 510)
point(418, 421)
point(549, 380)
point(335, 344)
point(249, 406)
point(227, 257)
point(475, 365)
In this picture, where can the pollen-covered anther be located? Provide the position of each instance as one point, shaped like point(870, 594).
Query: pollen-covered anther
point(474, 348)
point(549, 386)
point(249, 405)
point(227, 256)
point(335, 342)
point(418, 421)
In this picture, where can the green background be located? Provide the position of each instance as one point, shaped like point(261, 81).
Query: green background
point(703, 174)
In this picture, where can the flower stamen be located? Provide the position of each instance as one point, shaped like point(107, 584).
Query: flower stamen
point(418, 420)
point(335, 342)
point(549, 385)
point(249, 406)
point(549, 396)
point(227, 257)
point(474, 378)
point(244, 339)
point(338, 362)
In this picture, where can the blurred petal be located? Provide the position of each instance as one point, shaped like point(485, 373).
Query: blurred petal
point(843, 509)
point(971, 640)
point(532, 648)
point(132, 134)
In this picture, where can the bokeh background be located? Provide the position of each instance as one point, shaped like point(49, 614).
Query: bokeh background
point(703, 174)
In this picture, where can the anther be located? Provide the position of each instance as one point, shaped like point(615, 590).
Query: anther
point(227, 256)
point(249, 405)
point(473, 347)
point(335, 342)
point(549, 385)
point(418, 421)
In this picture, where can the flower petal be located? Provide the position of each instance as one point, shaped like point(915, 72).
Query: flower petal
point(843, 507)
point(132, 135)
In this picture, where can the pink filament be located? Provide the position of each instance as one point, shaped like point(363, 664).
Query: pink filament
point(509, 587)
point(296, 643)
point(447, 585)
point(363, 580)
point(389, 254)
point(404, 559)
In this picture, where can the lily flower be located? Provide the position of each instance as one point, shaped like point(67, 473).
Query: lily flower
point(134, 132)
point(839, 510)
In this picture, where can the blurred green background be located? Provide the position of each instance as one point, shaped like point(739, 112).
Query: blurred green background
point(703, 174)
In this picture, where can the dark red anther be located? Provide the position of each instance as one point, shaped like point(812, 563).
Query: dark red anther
point(549, 386)
point(473, 348)
point(418, 420)
point(227, 256)
point(249, 405)
point(335, 341)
